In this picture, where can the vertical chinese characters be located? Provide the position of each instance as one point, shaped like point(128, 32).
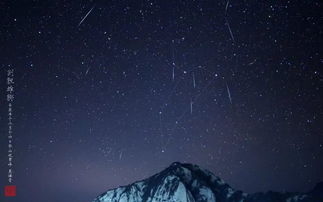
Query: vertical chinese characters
point(10, 99)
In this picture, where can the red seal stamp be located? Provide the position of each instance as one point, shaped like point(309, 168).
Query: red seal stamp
point(10, 190)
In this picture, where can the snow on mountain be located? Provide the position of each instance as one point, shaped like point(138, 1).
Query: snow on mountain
point(190, 183)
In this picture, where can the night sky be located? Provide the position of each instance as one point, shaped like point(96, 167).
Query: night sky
point(109, 92)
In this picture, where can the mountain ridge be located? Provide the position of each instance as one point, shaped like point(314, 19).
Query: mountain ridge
point(183, 182)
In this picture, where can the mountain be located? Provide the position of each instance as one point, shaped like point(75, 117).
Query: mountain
point(190, 183)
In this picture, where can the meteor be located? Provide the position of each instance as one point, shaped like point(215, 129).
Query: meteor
point(86, 16)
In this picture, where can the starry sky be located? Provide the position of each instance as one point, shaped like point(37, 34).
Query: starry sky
point(109, 92)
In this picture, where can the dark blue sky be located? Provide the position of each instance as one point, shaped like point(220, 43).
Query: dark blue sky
point(235, 87)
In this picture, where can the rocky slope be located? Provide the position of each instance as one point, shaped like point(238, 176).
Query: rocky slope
point(190, 183)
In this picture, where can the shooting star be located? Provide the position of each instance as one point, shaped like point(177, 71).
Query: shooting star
point(86, 16)
point(226, 7)
point(191, 106)
point(120, 155)
point(193, 75)
point(173, 72)
point(253, 62)
point(173, 54)
point(229, 94)
point(87, 71)
point(228, 25)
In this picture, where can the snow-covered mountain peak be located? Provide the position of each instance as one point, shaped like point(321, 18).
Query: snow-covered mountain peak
point(190, 183)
